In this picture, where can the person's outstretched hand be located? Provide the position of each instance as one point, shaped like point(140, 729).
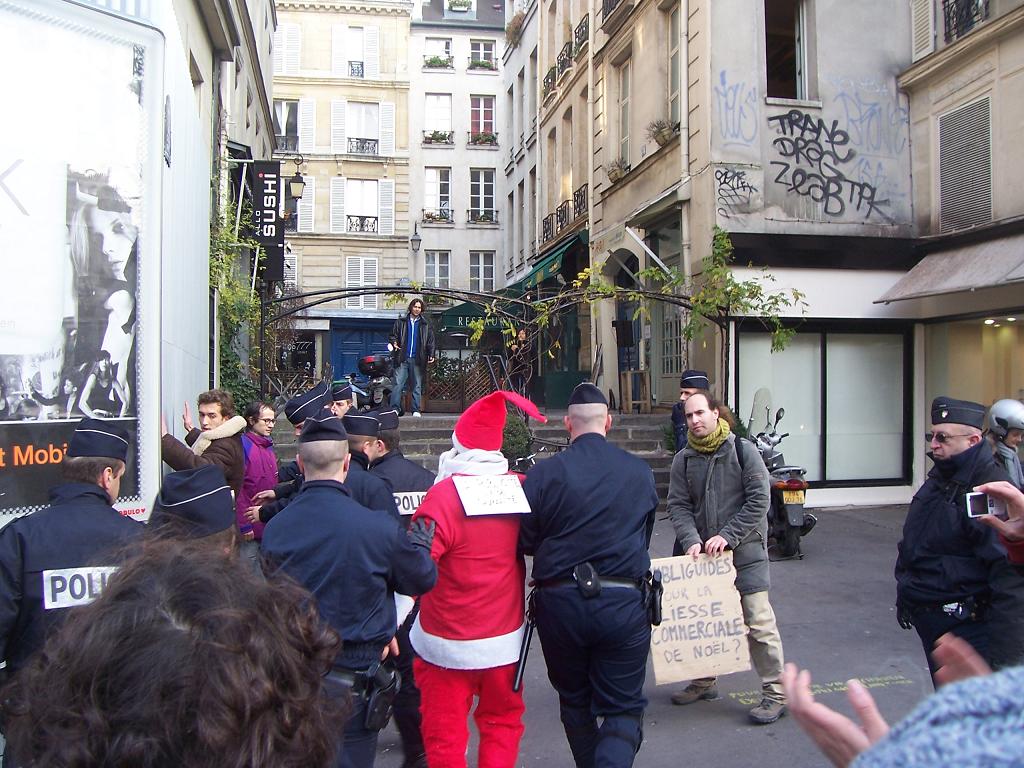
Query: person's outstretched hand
point(957, 660)
point(1012, 529)
point(837, 736)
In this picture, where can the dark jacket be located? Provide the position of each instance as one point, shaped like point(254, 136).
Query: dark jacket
point(593, 502)
point(710, 495)
point(425, 343)
point(403, 474)
point(353, 561)
point(79, 530)
point(289, 483)
point(369, 490)
point(679, 429)
point(221, 447)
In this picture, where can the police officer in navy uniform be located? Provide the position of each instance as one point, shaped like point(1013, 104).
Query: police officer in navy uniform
point(368, 489)
point(391, 464)
point(951, 572)
point(60, 556)
point(593, 513)
point(196, 504)
point(353, 561)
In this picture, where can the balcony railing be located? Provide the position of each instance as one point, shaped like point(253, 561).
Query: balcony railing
point(291, 222)
point(442, 215)
point(483, 138)
point(581, 35)
point(355, 69)
point(565, 58)
point(608, 7)
point(439, 62)
point(579, 202)
point(482, 216)
point(488, 64)
point(439, 137)
point(363, 146)
point(562, 215)
point(549, 81)
point(961, 16)
point(547, 228)
point(287, 143)
point(361, 224)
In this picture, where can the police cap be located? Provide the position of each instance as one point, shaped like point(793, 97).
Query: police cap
point(694, 379)
point(341, 390)
point(946, 410)
point(301, 407)
point(322, 426)
point(198, 500)
point(388, 419)
point(363, 425)
point(584, 393)
point(99, 439)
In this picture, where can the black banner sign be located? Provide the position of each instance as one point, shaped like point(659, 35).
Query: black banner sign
point(267, 190)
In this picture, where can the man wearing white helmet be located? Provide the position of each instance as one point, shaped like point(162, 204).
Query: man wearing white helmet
point(1006, 429)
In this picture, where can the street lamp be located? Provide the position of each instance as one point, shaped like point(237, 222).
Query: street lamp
point(415, 241)
point(296, 185)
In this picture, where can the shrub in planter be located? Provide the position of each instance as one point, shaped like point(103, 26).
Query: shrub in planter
point(514, 28)
point(661, 131)
point(482, 64)
point(459, 5)
point(437, 62)
point(617, 168)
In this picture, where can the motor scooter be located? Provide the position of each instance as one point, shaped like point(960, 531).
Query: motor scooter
point(373, 385)
point(787, 520)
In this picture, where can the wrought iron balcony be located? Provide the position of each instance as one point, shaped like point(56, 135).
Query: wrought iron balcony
point(363, 146)
point(547, 228)
point(614, 12)
point(565, 58)
point(483, 138)
point(487, 64)
point(291, 222)
point(562, 215)
point(439, 137)
point(439, 62)
point(608, 7)
point(549, 81)
point(579, 202)
point(355, 69)
point(581, 35)
point(287, 143)
point(482, 216)
point(442, 215)
point(361, 224)
point(961, 16)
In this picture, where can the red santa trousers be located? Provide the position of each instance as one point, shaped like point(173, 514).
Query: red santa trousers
point(446, 700)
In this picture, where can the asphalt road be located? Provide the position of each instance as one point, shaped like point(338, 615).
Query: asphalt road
point(836, 616)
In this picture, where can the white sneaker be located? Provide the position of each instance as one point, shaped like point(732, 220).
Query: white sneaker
point(417, 414)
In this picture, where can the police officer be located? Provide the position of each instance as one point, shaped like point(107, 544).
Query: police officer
point(388, 461)
point(951, 572)
point(196, 504)
point(368, 489)
point(60, 556)
point(593, 513)
point(353, 561)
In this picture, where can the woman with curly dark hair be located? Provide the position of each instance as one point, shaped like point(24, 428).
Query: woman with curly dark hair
point(186, 660)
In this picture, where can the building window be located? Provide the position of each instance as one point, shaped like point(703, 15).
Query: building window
point(362, 128)
point(361, 271)
point(436, 268)
point(785, 49)
point(361, 206)
point(481, 194)
point(673, 346)
point(286, 124)
point(437, 53)
point(438, 112)
point(481, 115)
point(673, 66)
point(623, 81)
point(437, 203)
point(481, 271)
point(356, 62)
point(481, 54)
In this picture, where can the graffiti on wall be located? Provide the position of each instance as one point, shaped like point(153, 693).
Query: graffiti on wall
point(815, 159)
point(737, 106)
point(877, 123)
point(736, 192)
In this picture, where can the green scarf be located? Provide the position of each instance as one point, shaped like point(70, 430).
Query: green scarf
point(710, 442)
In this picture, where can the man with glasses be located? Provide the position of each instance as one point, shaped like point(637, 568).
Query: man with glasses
point(951, 572)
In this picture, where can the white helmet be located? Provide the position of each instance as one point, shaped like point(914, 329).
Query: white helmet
point(1005, 415)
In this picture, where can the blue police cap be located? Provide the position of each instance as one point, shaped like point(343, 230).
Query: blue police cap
point(388, 419)
point(99, 439)
point(301, 407)
point(362, 425)
point(341, 390)
point(322, 426)
point(585, 393)
point(198, 500)
point(693, 379)
point(946, 410)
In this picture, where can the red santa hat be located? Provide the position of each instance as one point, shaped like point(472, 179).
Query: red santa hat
point(482, 425)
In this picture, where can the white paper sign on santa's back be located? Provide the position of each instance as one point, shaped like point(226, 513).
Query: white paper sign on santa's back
point(702, 632)
point(491, 495)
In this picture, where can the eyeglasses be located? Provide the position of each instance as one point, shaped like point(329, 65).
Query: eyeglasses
point(941, 437)
point(269, 422)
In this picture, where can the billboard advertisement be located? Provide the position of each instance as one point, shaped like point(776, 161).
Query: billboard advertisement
point(79, 243)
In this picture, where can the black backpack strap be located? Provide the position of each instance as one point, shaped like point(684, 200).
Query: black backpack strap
point(739, 451)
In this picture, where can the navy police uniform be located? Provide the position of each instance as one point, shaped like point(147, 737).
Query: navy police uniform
point(593, 503)
point(353, 562)
point(952, 574)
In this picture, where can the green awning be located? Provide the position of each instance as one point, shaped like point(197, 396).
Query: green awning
point(549, 265)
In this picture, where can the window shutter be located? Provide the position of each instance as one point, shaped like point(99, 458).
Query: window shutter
point(307, 125)
point(337, 205)
point(339, 59)
point(386, 206)
point(293, 48)
point(338, 143)
point(387, 128)
point(291, 268)
point(371, 52)
point(369, 278)
point(354, 279)
point(306, 205)
point(279, 50)
point(965, 167)
point(922, 26)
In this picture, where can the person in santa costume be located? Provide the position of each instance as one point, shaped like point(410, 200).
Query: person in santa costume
point(470, 627)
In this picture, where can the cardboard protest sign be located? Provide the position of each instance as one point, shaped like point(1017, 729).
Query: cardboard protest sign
point(491, 494)
point(702, 632)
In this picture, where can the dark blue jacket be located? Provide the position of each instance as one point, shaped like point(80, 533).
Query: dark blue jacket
point(78, 530)
point(679, 428)
point(401, 473)
point(593, 502)
point(353, 560)
point(370, 490)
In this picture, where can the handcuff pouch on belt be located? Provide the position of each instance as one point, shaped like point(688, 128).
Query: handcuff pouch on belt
point(383, 684)
point(588, 582)
point(653, 590)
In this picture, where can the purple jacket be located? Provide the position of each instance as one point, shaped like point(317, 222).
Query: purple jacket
point(260, 475)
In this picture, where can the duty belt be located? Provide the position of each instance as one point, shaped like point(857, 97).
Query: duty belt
point(970, 608)
point(358, 682)
point(606, 581)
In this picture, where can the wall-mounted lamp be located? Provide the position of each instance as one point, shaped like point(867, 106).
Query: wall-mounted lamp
point(415, 241)
point(296, 186)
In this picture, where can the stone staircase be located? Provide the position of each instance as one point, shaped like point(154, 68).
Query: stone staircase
point(425, 438)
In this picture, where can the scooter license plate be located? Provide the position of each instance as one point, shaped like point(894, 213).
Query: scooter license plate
point(792, 497)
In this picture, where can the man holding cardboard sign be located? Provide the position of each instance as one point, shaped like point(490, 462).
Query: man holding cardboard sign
point(718, 502)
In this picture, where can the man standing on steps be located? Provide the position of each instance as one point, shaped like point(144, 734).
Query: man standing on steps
point(413, 342)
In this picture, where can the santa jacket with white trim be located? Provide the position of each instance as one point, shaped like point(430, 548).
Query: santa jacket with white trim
point(473, 617)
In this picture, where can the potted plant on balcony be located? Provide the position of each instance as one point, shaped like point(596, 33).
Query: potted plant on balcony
point(661, 131)
point(484, 137)
point(483, 217)
point(437, 137)
point(437, 62)
point(482, 64)
point(617, 168)
point(459, 5)
point(514, 28)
